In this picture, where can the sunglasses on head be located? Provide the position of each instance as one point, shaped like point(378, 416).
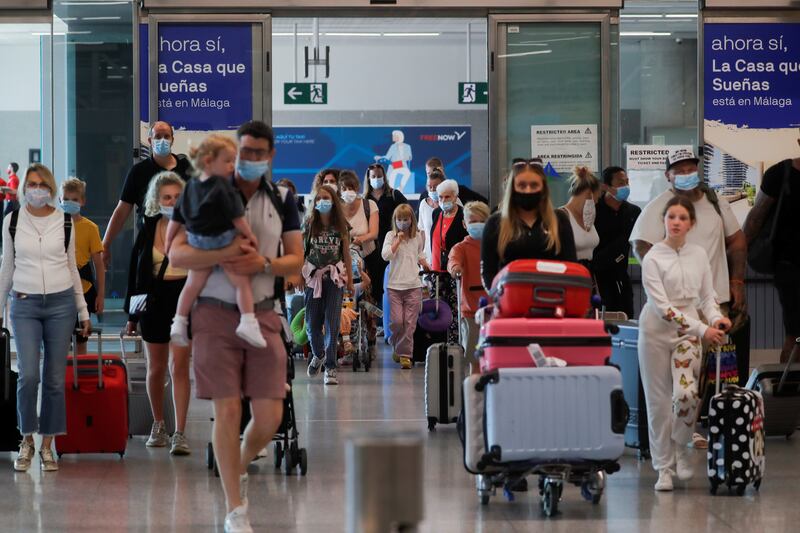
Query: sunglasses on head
point(374, 166)
point(535, 162)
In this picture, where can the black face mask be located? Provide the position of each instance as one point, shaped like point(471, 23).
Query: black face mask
point(527, 201)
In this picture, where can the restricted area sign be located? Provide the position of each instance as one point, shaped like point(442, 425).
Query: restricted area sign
point(305, 93)
point(473, 92)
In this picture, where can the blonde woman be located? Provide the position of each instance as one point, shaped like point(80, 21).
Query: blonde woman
point(147, 258)
point(526, 226)
point(404, 249)
point(40, 272)
point(584, 191)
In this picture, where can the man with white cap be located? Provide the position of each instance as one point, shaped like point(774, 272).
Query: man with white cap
point(716, 230)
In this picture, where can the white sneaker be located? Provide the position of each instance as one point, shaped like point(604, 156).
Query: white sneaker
point(683, 460)
point(244, 479)
point(237, 521)
point(664, 483)
point(179, 331)
point(47, 460)
point(158, 436)
point(314, 366)
point(250, 330)
point(180, 446)
point(23, 461)
point(330, 377)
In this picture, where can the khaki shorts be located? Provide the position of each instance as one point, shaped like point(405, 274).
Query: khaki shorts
point(226, 366)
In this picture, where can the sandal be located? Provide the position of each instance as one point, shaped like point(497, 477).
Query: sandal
point(699, 442)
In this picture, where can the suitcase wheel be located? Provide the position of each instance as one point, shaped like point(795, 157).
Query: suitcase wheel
point(484, 499)
point(713, 488)
point(431, 424)
point(550, 498)
point(757, 484)
point(210, 456)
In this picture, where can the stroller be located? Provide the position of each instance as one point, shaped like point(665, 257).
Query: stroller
point(357, 313)
point(286, 439)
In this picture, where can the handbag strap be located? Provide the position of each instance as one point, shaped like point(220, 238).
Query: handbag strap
point(161, 272)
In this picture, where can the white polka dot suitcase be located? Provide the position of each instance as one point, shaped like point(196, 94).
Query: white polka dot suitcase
point(736, 440)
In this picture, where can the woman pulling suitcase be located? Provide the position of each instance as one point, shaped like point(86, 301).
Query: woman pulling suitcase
point(677, 280)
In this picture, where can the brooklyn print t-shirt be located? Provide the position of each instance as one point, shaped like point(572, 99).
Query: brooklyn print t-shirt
point(324, 248)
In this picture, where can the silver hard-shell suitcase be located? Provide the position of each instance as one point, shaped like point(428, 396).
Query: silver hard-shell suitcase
point(554, 414)
point(140, 416)
point(444, 373)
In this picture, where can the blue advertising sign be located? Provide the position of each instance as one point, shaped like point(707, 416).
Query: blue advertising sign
point(403, 150)
point(752, 74)
point(205, 76)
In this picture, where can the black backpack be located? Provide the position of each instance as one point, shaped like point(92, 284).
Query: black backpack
point(12, 227)
point(761, 250)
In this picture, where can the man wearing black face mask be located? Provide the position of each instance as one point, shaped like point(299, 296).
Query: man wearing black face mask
point(526, 226)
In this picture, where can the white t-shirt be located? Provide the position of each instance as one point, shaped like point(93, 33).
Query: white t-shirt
point(404, 263)
point(709, 233)
point(585, 241)
point(425, 225)
point(359, 224)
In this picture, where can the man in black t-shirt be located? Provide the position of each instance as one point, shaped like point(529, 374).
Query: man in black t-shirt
point(787, 240)
point(161, 138)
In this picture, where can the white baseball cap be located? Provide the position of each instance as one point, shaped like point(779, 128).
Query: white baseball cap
point(679, 156)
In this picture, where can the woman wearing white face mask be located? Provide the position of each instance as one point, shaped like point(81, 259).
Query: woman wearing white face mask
point(584, 191)
point(40, 272)
point(150, 273)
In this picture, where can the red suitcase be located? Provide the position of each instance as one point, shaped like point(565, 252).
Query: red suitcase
point(539, 288)
point(578, 341)
point(96, 391)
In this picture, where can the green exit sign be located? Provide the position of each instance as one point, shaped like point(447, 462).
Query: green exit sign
point(473, 92)
point(305, 93)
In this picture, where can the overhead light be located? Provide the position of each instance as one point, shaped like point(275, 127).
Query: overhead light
point(645, 33)
point(520, 54)
point(641, 16)
point(290, 34)
point(44, 33)
point(350, 34)
point(67, 19)
point(94, 3)
point(681, 16)
point(100, 18)
point(420, 34)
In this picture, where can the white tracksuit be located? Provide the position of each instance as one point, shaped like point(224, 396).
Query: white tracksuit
point(678, 285)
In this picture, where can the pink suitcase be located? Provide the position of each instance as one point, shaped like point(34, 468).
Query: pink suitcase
point(578, 341)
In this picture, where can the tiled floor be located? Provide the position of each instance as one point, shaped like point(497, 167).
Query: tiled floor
point(151, 491)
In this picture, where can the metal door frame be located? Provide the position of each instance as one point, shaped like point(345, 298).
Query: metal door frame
point(261, 61)
point(498, 77)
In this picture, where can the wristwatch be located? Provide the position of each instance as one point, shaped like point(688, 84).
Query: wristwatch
point(267, 266)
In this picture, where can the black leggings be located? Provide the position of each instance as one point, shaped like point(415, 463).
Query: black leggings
point(375, 269)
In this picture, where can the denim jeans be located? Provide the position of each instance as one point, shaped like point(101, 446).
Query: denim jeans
point(327, 311)
point(42, 319)
point(211, 242)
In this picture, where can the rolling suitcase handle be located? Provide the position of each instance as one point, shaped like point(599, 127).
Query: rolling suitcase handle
point(6, 364)
point(99, 333)
point(789, 363)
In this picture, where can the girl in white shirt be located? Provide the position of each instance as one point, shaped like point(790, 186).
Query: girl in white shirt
point(404, 249)
point(40, 272)
point(677, 279)
point(584, 191)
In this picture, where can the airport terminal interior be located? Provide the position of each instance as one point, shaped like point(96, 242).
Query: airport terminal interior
point(616, 96)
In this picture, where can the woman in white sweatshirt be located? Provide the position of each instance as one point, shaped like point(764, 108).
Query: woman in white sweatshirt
point(40, 272)
point(404, 249)
point(677, 279)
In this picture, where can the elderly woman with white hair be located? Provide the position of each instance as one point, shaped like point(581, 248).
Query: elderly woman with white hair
point(448, 224)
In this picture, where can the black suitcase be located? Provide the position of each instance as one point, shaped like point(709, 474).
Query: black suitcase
point(779, 386)
point(736, 440)
point(625, 355)
point(9, 438)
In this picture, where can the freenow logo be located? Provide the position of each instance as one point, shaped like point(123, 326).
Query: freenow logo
point(444, 137)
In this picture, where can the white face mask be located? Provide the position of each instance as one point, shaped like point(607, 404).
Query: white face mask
point(589, 213)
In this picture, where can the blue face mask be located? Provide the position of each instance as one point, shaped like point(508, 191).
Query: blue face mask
point(252, 170)
point(166, 210)
point(70, 207)
point(161, 147)
point(324, 206)
point(622, 193)
point(447, 206)
point(38, 197)
point(433, 195)
point(403, 225)
point(687, 182)
point(377, 183)
point(475, 230)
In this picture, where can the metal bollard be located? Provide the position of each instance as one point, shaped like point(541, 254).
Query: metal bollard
point(384, 482)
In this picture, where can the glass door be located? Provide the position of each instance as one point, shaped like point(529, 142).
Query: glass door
point(550, 96)
point(204, 73)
